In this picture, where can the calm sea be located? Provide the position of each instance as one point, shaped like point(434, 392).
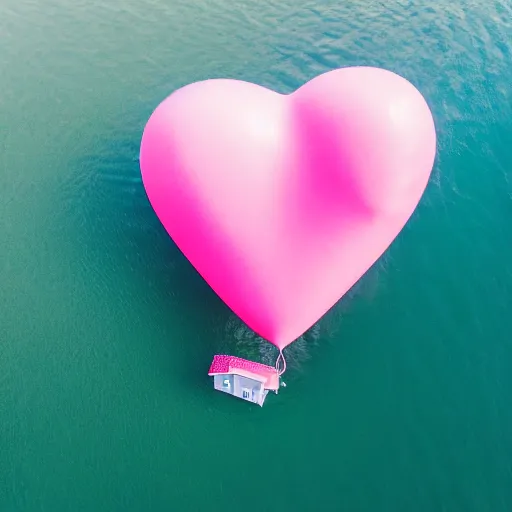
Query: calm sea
point(398, 400)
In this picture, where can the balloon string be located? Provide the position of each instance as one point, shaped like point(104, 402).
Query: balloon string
point(280, 358)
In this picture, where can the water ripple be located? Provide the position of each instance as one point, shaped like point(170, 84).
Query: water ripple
point(106, 332)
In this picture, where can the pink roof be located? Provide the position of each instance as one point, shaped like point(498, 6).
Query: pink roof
point(268, 375)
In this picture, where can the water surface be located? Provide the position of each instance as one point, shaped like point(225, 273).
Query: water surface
point(397, 400)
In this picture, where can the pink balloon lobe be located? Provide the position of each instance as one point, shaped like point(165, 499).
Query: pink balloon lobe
point(282, 202)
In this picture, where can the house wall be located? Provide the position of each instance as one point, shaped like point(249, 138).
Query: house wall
point(218, 381)
point(237, 383)
point(244, 382)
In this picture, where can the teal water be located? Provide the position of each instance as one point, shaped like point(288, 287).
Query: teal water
point(397, 400)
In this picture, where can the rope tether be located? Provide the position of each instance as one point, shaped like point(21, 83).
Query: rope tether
point(281, 363)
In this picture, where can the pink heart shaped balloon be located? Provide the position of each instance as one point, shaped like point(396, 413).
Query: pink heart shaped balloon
point(282, 202)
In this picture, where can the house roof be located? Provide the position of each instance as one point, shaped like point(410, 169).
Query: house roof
point(268, 375)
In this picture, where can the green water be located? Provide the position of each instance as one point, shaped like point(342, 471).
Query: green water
point(398, 400)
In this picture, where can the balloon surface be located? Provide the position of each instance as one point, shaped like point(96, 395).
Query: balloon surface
point(282, 202)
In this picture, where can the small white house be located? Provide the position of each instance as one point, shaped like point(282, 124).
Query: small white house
point(244, 379)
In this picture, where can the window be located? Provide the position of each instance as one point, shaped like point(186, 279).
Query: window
point(246, 393)
point(225, 384)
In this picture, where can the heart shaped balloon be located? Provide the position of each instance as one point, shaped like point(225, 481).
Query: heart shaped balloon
point(282, 202)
